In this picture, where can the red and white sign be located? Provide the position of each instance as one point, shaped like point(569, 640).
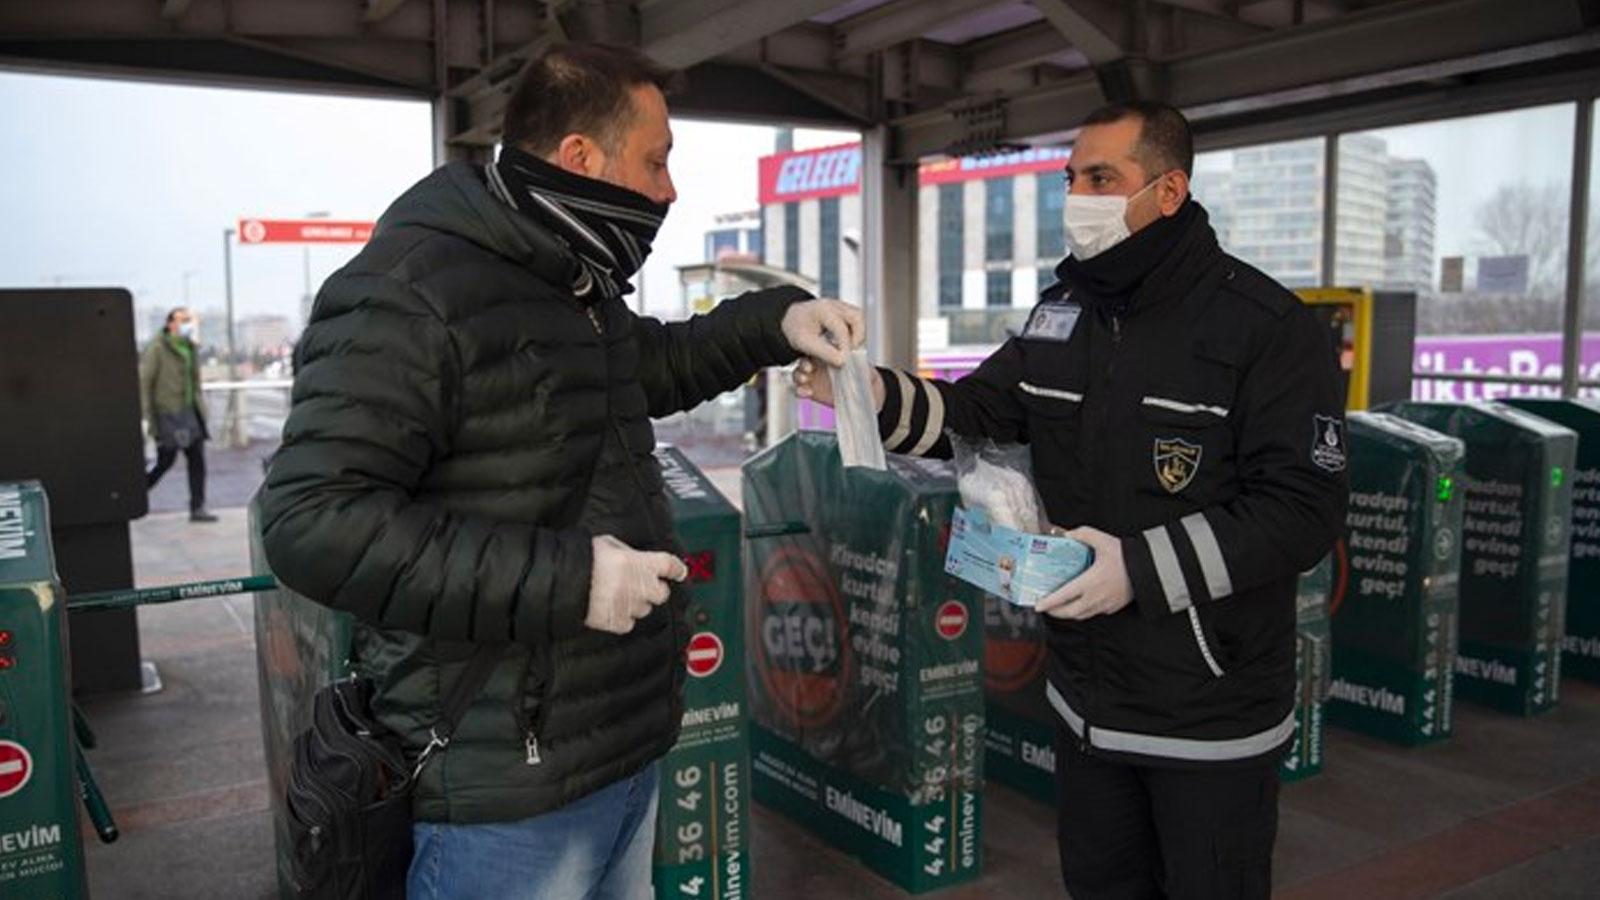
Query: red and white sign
point(836, 171)
point(16, 767)
point(303, 231)
point(995, 165)
point(705, 654)
point(810, 174)
point(952, 620)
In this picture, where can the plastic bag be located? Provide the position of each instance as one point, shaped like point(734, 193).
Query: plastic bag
point(854, 414)
point(998, 479)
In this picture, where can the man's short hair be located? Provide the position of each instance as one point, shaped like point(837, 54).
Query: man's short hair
point(173, 313)
point(579, 89)
point(1164, 140)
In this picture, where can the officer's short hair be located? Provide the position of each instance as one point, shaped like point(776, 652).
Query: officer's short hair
point(1164, 139)
point(583, 89)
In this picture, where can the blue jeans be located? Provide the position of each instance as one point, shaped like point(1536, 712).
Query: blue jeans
point(597, 848)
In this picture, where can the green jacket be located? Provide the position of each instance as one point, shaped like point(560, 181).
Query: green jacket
point(168, 383)
point(463, 422)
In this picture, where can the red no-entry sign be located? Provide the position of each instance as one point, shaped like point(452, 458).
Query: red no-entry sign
point(705, 654)
point(952, 620)
point(303, 231)
point(16, 767)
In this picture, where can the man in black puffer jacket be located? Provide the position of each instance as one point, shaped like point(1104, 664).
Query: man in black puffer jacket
point(468, 463)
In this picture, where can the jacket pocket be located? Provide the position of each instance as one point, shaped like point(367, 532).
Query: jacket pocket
point(1190, 444)
point(1206, 642)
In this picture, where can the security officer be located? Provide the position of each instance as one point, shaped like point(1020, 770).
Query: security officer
point(1184, 416)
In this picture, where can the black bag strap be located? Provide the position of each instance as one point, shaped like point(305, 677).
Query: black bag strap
point(465, 690)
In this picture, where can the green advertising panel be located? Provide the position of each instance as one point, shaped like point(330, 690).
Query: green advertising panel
point(1311, 663)
point(1394, 629)
point(1514, 553)
point(41, 848)
point(703, 827)
point(1020, 737)
point(301, 646)
point(1580, 655)
point(864, 670)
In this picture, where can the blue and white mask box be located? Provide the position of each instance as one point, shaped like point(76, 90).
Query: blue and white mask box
point(1016, 566)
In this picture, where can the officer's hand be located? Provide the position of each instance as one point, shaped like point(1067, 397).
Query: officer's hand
point(813, 381)
point(1101, 590)
point(627, 584)
point(809, 325)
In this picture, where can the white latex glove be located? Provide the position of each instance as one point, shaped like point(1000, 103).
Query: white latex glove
point(1101, 590)
point(814, 381)
point(626, 584)
point(808, 325)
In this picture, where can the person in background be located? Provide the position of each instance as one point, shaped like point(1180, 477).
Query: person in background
point(169, 390)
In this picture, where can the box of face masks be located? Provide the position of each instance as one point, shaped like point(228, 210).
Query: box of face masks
point(1013, 565)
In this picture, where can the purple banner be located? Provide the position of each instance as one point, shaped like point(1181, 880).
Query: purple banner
point(1519, 355)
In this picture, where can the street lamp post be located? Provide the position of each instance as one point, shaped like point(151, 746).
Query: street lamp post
point(305, 260)
point(233, 424)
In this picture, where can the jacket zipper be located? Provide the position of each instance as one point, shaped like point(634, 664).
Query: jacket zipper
point(1085, 744)
point(531, 724)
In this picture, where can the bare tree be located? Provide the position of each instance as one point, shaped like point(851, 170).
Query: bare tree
point(1531, 221)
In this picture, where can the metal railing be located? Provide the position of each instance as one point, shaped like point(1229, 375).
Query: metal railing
point(247, 410)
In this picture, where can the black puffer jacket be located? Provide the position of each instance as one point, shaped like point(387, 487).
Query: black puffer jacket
point(462, 425)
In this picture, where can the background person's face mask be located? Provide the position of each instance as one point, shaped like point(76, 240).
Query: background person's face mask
point(1096, 223)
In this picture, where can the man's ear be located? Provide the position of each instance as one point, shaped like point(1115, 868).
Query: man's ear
point(1172, 191)
point(579, 155)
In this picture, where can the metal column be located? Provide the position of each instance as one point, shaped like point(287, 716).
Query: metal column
point(889, 251)
point(1577, 254)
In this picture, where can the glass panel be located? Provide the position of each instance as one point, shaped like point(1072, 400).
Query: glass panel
point(997, 288)
point(1051, 198)
point(828, 280)
point(952, 220)
point(1266, 202)
point(791, 236)
point(1469, 215)
point(998, 219)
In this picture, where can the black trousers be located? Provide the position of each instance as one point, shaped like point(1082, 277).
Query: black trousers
point(195, 455)
point(1130, 832)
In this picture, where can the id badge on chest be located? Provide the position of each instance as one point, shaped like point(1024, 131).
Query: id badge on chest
point(1053, 321)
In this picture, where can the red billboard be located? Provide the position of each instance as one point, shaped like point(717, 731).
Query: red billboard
point(809, 174)
point(303, 231)
point(994, 165)
point(836, 171)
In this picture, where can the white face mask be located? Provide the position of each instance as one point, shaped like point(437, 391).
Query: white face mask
point(1096, 223)
point(188, 329)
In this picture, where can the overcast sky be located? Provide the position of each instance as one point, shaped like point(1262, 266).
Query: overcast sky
point(132, 183)
point(1472, 158)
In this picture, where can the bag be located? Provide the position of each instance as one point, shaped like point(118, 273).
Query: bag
point(857, 422)
point(998, 480)
point(180, 429)
point(349, 790)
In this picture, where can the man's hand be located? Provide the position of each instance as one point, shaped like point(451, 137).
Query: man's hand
point(1101, 590)
point(809, 325)
point(813, 381)
point(627, 584)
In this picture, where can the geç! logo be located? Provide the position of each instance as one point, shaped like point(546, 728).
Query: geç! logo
point(802, 639)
